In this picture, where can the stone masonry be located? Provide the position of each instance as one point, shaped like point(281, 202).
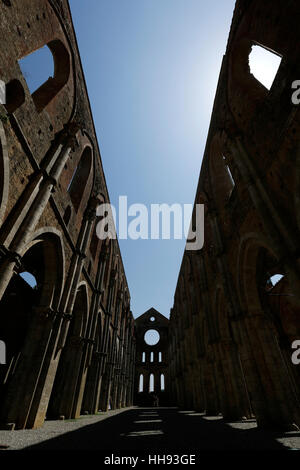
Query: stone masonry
point(70, 337)
point(237, 302)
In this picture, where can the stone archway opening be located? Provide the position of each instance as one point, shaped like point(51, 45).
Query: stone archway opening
point(65, 397)
point(20, 298)
point(272, 320)
point(46, 71)
point(32, 292)
point(264, 65)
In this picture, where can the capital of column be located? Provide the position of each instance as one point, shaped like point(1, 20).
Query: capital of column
point(11, 256)
point(68, 134)
point(47, 177)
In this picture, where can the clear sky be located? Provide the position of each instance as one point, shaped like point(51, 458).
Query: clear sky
point(151, 68)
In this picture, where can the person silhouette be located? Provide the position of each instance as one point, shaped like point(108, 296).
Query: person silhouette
point(155, 400)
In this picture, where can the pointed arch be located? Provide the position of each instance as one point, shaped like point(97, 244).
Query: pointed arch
point(81, 177)
point(141, 383)
point(162, 382)
point(151, 383)
point(31, 310)
point(250, 247)
point(45, 93)
point(80, 311)
point(51, 246)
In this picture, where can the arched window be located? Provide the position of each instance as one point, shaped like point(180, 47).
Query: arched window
point(151, 383)
point(152, 356)
point(37, 286)
point(141, 383)
point(37, 67)
point(159, 356)
point(264, 65)
point(15, 95)
point(80, 177)
point(162, 382)
point(2, 353)
point(46, 71)
point(273, 280)
point(144, 357)
point(29, 279)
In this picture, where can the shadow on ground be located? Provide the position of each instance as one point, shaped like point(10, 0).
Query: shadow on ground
point(162, 430)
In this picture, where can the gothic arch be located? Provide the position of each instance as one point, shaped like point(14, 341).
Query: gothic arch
point(245, 93)
point(53, 252)
point(50, 89)
point(31, 308)
point(82, 178)
point(80, 310)
point(247, 261)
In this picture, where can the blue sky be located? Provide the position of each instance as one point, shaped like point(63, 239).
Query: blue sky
point(151, 68)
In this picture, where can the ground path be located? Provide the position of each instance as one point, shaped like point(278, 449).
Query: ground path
point(154, 430)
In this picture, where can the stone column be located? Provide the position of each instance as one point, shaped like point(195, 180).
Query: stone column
point(283, 241)
point(20, 394)
point(238, 406)
point(16, 233)
point(69, 392)
point(93, 384)
point(92, 330)
point(272, 398)
point(212, 407)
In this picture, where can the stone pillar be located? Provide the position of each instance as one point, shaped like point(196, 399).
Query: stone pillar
point(283, 241)
point(21, 389)
point(69, 391)
point(17, 231)
point(212, 407)
point(238, 405)
point(91, 397)
point(93, 384)
point(274, 404)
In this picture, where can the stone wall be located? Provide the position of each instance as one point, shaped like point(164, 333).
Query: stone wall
point(70, 336)
point(233, 323)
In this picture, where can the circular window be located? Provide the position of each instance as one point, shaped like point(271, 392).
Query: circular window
point(151, 337)
point(152, 318)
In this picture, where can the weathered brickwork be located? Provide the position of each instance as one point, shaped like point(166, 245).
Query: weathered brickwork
point(231, 328)
point(70, 339)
